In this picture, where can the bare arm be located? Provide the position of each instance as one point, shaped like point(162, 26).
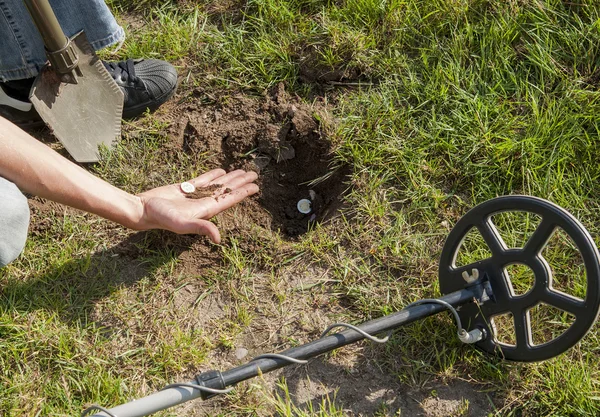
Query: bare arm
point(38, 170)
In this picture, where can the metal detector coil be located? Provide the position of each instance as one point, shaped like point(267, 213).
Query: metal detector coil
point(504, 300)
point(475, 294)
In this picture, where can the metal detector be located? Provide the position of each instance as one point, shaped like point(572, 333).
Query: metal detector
point(475, 294)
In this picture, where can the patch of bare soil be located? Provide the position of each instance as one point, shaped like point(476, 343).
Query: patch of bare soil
point(312, 70)
point(43, 213)
point(279, 137)
point(365, 389)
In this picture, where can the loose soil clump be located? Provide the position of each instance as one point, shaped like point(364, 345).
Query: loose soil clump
point(278, 136)
point(204, 192)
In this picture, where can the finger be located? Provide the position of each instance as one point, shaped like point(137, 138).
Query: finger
point(225, 201)
point(206, 228)
point(225, 179)
point(200, 227)
point(206, 178)
point(242, 180)
point(235, 183)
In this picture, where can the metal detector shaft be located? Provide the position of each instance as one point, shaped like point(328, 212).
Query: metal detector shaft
point(170, 397)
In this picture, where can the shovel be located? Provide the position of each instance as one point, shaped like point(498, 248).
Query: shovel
point(74, 93)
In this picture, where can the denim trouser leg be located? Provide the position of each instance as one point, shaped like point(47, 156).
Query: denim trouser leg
point(14, 221)
point(21, 47)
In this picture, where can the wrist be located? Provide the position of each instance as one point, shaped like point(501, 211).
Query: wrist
point(133, 216)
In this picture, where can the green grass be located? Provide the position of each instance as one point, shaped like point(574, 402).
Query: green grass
point(284, 404)
point(438, 105)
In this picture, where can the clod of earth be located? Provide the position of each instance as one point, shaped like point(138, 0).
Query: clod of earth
point(207, 191)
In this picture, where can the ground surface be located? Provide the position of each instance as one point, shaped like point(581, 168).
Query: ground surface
point(393, 118)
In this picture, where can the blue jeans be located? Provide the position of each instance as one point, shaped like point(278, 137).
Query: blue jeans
point(14, 221)
point(22, 52)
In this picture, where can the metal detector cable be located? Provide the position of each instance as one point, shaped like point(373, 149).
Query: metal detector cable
point(280, 356)
point(358, 330)
point(462, 333)
point(198, 387)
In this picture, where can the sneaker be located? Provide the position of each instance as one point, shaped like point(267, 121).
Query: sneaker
point(146, 83)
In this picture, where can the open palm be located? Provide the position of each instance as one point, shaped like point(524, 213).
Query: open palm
point(168, 207)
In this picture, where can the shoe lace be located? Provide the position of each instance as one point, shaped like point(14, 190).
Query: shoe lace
point(124, 69)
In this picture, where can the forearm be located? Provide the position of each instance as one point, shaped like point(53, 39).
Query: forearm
point(38, 170)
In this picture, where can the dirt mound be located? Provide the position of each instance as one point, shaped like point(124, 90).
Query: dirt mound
point(276, 135)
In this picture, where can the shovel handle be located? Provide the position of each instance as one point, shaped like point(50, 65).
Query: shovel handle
point(44, 18)
point(61, 54)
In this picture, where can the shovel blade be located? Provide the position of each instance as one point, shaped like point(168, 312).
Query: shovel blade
point(85, 115)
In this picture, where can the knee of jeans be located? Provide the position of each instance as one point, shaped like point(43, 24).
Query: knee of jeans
point(14, 224)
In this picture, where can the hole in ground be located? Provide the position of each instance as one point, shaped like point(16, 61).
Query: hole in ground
point(307, 177)
point(282, 139)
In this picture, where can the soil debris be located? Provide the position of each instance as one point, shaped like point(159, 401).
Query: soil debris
point(207, 191)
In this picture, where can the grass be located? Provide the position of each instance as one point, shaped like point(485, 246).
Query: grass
point(438, 105)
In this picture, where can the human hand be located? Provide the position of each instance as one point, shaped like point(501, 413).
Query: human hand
point(168, 207)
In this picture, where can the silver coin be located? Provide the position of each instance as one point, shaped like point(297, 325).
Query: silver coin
point(304, 206)
point(187, 187)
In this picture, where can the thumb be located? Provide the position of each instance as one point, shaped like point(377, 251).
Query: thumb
point(206, 228)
